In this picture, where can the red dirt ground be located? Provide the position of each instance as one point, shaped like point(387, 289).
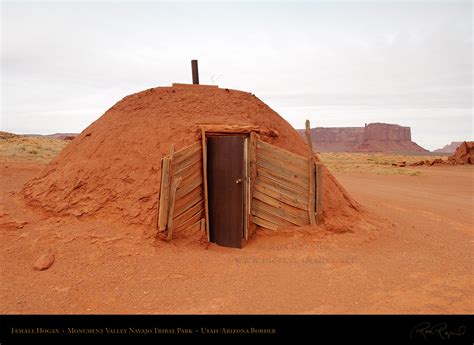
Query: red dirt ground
point(415, 256)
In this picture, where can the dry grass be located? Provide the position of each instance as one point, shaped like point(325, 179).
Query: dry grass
point(374, 163)
point(40, 150)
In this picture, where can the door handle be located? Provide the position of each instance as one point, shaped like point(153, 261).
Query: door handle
point(239, 180)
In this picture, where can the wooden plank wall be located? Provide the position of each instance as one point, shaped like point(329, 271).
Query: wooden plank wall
point(186, 208)
point(281, 192)
point(286, 189)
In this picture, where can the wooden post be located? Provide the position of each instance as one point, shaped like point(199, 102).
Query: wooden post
point(316, 188)
point(204, 175)
point(169, 227)
point(312, 192)
point(164, 194)
point(312, 183)
point(246, 186)
point(308, 137)
point(171, 155)
point(194, 67)
point(253, 177)
point(319, 193)
point(165, 190)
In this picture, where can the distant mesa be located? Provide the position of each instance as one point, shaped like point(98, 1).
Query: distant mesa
point(450, 148)
point(62, 136)
point(374, 137)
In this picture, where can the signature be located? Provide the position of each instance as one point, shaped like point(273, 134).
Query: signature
point(426, 330)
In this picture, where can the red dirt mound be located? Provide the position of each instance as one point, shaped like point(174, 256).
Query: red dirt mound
point(113, 168)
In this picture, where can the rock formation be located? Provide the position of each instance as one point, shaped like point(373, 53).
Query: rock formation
point(450, 148)
point(464, 154)
point(374, 137)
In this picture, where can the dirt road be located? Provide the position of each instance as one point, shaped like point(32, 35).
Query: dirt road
point(417, 258)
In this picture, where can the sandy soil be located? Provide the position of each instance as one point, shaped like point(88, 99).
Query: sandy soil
point(416, 257)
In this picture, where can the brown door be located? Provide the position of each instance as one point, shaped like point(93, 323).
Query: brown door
point(225, 175)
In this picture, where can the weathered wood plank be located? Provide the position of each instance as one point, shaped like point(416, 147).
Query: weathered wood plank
point(301, 194)
point(204, 174)
point(195, 195)
point(312, 193)
point(169, 227)
point(164, 194)
point(280, 213)
point(319, 193)
point(189, 222)
point(247, 195)
point(293, 211)
point(185, 203)
point(302, 180)
point(194, 227)
point(230, 128)
point(188, 211)
point(284, 180)
point(192, 160)
point(309, 140)
point(171, 157)
point(189, 187)
point(188, 170)
point(286, 171)
point(264, 223)
point(292, 200)
point(190, 228)
point(282, 162)
point(186, 153)
point(183, 217)
point(257, 212)
point(280, 153)
point(252, 175)
point(192, 176)
point(295, 170)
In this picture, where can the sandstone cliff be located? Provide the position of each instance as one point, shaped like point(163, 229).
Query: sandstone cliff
point(374, 137)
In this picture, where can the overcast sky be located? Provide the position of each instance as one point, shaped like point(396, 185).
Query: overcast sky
point(337, 63)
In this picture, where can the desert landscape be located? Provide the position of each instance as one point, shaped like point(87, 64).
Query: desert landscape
point(293, 169)
point(408, 249)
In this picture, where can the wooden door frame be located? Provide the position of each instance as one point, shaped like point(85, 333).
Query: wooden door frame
point(223, 130)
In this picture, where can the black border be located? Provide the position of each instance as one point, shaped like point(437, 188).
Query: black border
point(315, 329)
